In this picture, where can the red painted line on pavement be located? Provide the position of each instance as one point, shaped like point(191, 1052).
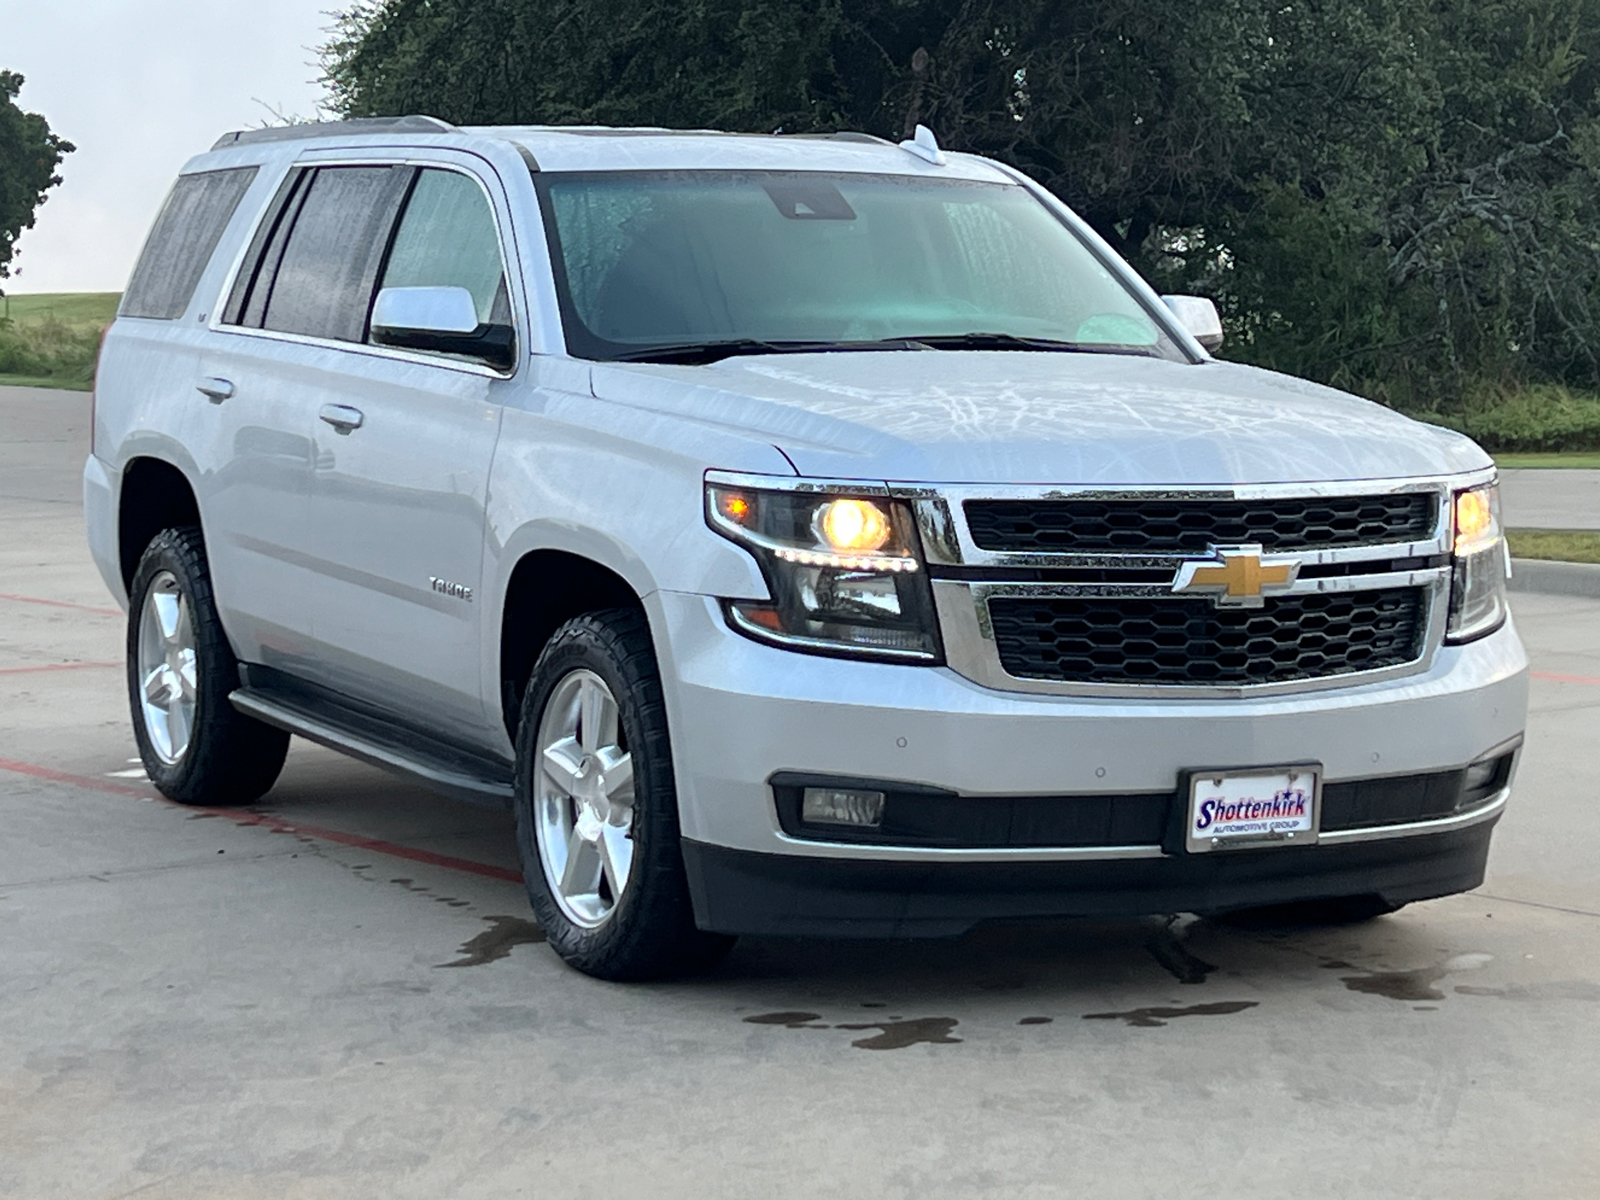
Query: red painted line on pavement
point(54, 776)
point(270, 823)
point(104, 612)
point(1555, 678)
point(72, 666)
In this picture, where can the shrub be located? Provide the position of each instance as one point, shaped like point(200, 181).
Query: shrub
point(1532, 418)
point(49, 349)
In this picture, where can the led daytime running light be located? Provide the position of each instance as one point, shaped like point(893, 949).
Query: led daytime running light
point(813, 558)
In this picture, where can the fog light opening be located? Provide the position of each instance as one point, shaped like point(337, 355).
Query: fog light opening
point(1481, 775)
point(842, 806)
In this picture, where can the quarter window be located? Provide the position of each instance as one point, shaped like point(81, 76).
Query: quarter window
point(182, 241)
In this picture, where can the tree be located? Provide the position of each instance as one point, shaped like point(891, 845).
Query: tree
point(29, 156)
point(1397, 196)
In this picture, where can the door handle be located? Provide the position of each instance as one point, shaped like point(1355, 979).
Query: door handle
point(342, 417)
point(215, 389)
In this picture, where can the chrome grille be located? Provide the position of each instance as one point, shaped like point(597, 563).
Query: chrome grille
point(1176, 526)
point(1145, 640)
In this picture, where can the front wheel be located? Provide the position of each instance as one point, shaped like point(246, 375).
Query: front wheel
point(196, 747)
point(597, 810)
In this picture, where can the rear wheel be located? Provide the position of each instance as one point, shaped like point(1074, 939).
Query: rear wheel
point(597, 811)
point(196, 747)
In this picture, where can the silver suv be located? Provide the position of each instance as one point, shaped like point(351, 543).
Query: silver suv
point(804, 536)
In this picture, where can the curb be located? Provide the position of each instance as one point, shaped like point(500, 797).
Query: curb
point(1555, 578)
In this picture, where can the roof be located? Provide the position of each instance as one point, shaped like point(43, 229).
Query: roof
point(603, 148)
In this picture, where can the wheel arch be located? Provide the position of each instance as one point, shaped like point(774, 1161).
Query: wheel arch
point(546, 587)
point(154, 495)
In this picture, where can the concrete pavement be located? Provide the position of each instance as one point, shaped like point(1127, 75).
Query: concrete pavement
point(341, 992)
point(1550, 499)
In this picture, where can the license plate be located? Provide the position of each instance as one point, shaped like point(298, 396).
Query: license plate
point(1253, 807)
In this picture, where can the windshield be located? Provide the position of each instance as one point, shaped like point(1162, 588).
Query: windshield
point(765, 261)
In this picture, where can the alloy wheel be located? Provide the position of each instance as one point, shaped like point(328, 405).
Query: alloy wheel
point(583, 799)
point(167, 668)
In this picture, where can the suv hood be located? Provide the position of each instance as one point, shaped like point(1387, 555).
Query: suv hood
point(1023, 417)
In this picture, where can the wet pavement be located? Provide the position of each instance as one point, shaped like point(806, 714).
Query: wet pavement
point(342, 993)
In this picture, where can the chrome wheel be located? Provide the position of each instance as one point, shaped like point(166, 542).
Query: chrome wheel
point(583, 799)
point(167, 673)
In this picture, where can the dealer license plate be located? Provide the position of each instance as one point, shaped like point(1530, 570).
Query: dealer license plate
point(1258, 806)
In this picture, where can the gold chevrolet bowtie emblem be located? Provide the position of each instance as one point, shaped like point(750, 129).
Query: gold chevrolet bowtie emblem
point(1237, 576)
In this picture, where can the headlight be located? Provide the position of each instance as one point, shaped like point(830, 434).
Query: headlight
point(1478, 585)
point(845, 572)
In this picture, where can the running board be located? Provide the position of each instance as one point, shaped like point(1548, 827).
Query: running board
point(463, 776)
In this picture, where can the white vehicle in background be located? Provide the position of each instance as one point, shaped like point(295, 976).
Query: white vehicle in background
point(806, 536)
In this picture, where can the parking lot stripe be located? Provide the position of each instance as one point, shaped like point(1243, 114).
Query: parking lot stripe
point(272, 824)
point(1553, 677)
point(72, 666)
point(89, 608)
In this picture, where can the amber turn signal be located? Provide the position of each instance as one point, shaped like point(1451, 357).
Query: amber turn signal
point(1475, 520)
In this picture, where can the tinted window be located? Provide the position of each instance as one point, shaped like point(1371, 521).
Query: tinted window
point(447, 238)
point(652, 260)
point(323, 286)
point(248, 303)
point(182, 241)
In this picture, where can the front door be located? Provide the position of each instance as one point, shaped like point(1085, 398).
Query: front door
point(399, 482)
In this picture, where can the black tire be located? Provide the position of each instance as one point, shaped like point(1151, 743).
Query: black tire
point(230, 758)
point(1338, 910)
point(650, 931)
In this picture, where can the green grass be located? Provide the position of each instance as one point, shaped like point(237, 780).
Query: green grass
point(69, 308)
point(58, 382)
point(1514, 461)
point(1564, 545)
point(50, 339)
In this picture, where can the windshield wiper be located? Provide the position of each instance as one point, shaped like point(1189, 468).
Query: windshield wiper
point(1010, 341)
point(701, 353)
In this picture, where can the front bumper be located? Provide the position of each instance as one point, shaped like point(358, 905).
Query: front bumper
point(741, 712)
point(778, 895)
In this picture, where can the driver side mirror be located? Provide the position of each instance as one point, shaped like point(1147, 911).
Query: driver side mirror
point(1199, 316)
point(443, 320)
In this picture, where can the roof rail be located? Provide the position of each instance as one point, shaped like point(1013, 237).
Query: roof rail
point(844, 135)
point(311, 129)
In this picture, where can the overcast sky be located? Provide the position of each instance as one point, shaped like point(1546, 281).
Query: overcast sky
point(139, 86)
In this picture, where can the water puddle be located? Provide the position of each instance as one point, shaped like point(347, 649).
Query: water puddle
point(789, 1020)
point(1413, 985)
point(897, 1035)
point(893, 1034)
point(503, 935)
point(1150, 1018)
point(451, 901)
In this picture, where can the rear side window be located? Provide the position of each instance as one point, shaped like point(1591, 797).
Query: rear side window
point(182, 241)
point(323, 284)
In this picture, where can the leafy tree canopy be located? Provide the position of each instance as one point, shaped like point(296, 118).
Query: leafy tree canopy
point(29, 156)
point(1396, 196)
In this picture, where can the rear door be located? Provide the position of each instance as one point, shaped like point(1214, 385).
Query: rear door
point(275, 355)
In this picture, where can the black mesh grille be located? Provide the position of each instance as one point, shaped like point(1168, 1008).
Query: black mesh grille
point(1137, 640)
point(1190, 526)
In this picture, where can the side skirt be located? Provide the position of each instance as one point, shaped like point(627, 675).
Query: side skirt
point(448, 769)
